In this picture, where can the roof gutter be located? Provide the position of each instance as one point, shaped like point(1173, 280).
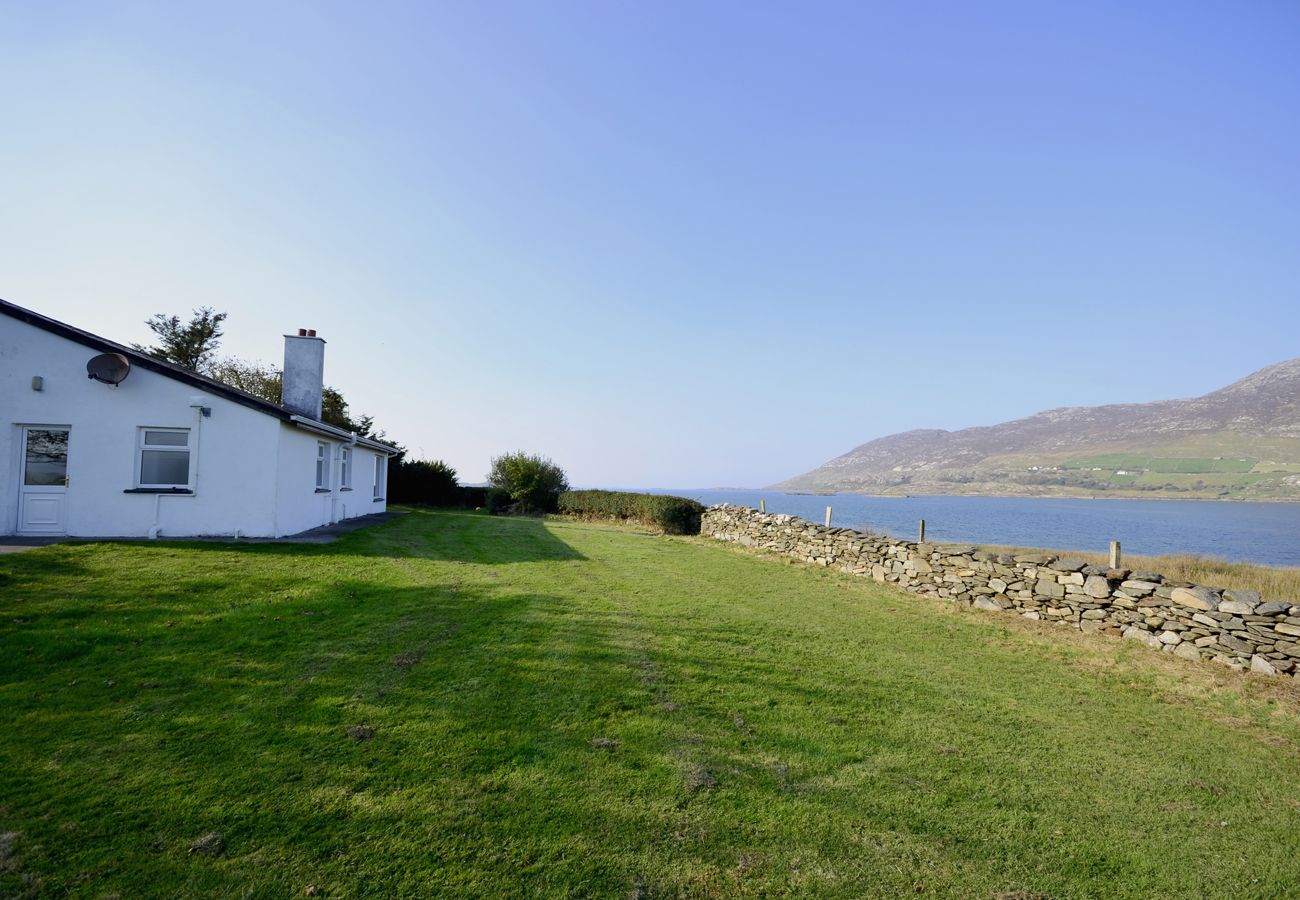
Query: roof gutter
point(144, 360)
point(186, 376)
point(347, 436)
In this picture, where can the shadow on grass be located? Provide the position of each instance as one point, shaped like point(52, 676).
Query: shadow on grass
point(180, 720)
point(462, 536)
point(444, 535)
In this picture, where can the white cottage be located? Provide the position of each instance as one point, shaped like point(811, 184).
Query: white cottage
point(99, 440)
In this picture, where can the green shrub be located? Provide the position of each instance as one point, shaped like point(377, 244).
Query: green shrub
point(532, 482)
point(675, 515)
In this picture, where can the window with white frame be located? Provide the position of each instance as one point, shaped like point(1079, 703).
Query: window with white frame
point(381, 476)
point(162, 458)
point(345, 469)
point(322, 466)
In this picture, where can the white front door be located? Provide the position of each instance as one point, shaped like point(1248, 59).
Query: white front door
point(43, 481)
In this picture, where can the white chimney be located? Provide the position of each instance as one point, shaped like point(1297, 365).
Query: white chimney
point(304, 373)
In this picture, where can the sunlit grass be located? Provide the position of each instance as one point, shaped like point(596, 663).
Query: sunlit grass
point(567, 709)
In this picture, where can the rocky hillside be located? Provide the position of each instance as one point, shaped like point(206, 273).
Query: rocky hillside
point(1240, 441)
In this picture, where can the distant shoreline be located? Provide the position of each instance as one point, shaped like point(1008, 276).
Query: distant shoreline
point(909, 494)
point(1107, 496)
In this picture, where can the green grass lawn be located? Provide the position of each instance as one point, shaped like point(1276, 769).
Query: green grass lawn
point(566, 709)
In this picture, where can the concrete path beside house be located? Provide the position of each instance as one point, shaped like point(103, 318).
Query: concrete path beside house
point(14, 544)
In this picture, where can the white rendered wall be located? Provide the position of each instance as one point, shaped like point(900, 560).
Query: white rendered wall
point(362, 499)
point(364, 482)
point(231, 456)
point(254, 475)
point(299, 505)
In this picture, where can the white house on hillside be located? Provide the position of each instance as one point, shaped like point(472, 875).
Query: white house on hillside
point(99, 440)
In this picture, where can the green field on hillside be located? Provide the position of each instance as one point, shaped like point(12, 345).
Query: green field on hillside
point(1265, 466)
point(467, 706)
point(1163, 464)
point(1221, 480)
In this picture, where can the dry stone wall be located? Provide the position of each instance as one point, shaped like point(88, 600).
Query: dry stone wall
point(1235, 628)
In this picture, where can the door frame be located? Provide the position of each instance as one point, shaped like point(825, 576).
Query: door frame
point(23, 489)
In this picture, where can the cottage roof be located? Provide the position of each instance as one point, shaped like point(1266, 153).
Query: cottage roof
point(183, 375)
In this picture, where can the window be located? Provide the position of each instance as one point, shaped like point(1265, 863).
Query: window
point(46, 460)
point(381, 476)
point(322, 466)
point(345, 469)
point(163, 460)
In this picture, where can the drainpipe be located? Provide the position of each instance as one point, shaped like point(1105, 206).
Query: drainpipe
point(201, 409)
point(155, 529)
point(352, 467)
point(336, 461)
point(198, 405)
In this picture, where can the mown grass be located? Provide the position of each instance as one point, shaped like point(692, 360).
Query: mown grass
point(569, 709)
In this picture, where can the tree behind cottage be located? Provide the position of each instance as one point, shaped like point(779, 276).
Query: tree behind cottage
point(190, 345)
point(194, 345)
point(267, 381)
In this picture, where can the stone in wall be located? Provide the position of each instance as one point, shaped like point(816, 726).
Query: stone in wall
point(1232, 627)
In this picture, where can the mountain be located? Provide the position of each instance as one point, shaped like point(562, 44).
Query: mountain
point(1242, 441)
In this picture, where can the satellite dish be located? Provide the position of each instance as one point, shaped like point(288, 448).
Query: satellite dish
point(110, 368)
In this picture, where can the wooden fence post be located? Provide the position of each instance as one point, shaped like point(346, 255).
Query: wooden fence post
point(1114, 555)
point(921, 539)
point(828, 517)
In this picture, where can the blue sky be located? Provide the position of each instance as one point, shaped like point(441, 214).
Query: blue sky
point(671, 244)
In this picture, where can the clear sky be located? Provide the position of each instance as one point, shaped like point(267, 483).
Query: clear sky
point(671, 244)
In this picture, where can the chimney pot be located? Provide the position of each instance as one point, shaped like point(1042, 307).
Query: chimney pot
point(311, 332)
point(302, 332)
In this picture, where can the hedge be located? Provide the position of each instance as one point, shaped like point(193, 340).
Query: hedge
point(423, 481)
point(675, 515)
